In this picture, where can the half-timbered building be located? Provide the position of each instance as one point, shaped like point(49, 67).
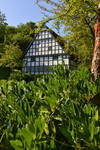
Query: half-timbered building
point(45, 51)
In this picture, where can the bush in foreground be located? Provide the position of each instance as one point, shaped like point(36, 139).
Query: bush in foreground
point(53, 113)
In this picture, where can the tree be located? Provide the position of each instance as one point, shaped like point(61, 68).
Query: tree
point(3, 25)
point(14, 43)
point(11, 56)
point(21, 35)
point(95, 69)
point(10, 31)
point(77, 18)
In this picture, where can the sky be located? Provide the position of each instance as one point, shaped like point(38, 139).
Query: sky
point(20, 11)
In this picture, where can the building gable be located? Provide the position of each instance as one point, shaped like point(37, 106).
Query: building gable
point(44, 52)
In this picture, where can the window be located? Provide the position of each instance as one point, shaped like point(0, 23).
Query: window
point(42, 36)
point(46, 63)
point(41, 63)
point(50, 48)
point(46, 52)
point(37, 59)
point(45, 58)
point(56, 51)
point(30, 50)
point(41, 58)
point(39, 48)
point(46, 36)
point(60, 62)
point(56, 47)
point(27, 54)
point(34, 50)
point(50, 58)
point(60, 57)
point(28, 69)
point(56, 43)
point(28, 59)
point(28, 64)
point(41, 72)
point(36, 69)
point(53, 48)
point(36, 53)
point(50, 40)
point(50, 63)
point(49, 44)
point(65, 56)
point(53, 44)
point(39, 37)
point(46, 44)
point(42, 53)
point(37, 63)
point(55, 57)
point(33, 64)
point(37, 42)
point(46, 69)
point(60, 51)
point(50, 52)
point(66, 61)
point(32, 59)
point(55, 62)
point(41, 69)
point(33, 46)
point(49, 35)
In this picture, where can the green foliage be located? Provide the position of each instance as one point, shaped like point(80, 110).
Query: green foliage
point(76, 19)
point(11, 56)
point(18, 75)
point(22, 40)
point(14, 40)
point(21, 36)
point(54, 112)
point(4, 73)
point(3, 25)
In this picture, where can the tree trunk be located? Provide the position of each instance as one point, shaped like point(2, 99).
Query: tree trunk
point(95, 69)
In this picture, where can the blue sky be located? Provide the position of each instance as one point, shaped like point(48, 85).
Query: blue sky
point(20, 11)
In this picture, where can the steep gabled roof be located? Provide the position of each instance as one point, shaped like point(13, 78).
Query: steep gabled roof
point(56, 37)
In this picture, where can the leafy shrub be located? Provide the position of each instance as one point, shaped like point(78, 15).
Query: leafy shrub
point(18, 75)
point(4, 73)
point(52, 113)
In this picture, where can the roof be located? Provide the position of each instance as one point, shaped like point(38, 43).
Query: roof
point(55, 35)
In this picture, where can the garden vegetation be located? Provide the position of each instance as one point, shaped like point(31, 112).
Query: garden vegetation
point(53, 112)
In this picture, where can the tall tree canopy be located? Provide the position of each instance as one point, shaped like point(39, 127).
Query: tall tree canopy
point(11, 56)
point(20, 35)
point(14, 42)
point(3, 25)
point(77, 18)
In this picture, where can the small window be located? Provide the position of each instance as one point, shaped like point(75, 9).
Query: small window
point(50, 48)
point(50, 58)
point(28, 59)
point(41, 58)
point(41, 63)
point(45, 58)
point(37, 63)
point(65, 56)
point(50, 62)
point(32, 59)
point(55, 57)
point(55, 62)
point(37, 59)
